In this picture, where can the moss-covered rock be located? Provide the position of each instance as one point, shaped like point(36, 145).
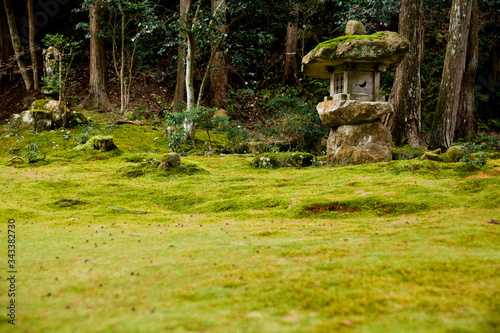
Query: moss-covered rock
point(452, 154)
point(38, 120)
point(385, 47)
point(252, 147)
point(406, 153)
point(169, 161)
point(280, 160)
point(455, 153)
point(102, 143)
point(46, 114)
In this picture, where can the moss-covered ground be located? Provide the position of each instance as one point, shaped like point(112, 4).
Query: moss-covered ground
point(402, 246)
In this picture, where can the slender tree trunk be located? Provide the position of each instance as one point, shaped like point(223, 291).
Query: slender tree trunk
point(97, 97)
point(465, 117)
point(34, 60)
point(16, 44)
point(291, 77)
point(406, 124)
point(6, 51)
point(445, 118)
point(190, 71)
point(218, 72)
point(180, 85)
point(189, 127)
point(190, 101)
point(122, 67)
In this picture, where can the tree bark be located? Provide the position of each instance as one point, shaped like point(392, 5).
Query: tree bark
point(465, 117)
point(406, 124)
point(34, 61)
point(445, 118)
point(180, 85)
point(218, 72)
point(291, 77)
point(97, 97)
point(16, 44)
point(6, 51)
point(190, 101)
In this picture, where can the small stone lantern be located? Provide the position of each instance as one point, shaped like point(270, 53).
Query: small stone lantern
point(353, 64)
point(356, 81)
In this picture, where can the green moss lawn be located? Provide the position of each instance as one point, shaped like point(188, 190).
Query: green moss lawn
point(105, 243)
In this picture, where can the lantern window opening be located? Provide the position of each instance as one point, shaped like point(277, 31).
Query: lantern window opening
point(338, 86)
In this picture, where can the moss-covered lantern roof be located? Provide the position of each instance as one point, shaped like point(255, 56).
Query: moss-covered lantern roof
point(385, 47)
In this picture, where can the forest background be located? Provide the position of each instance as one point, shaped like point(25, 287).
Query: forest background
point(244, 57)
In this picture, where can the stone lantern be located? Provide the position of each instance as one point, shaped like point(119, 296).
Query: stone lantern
point(353, 64)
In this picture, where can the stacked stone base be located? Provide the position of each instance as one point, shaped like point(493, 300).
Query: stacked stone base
point(357, 135)
point(359, 144)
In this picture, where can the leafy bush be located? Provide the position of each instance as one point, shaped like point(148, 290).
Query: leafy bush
point(294, 119)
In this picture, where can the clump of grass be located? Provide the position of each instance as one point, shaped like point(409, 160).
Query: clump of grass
point(150, 166)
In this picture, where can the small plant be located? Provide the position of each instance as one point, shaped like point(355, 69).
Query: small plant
point(201, 116)
point(31, 153)
point(476, 152)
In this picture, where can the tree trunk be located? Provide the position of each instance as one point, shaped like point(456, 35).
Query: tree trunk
point(6, 52)
point(97, 97)
point(406, 122)
point(190, 101)
point(16, 44)
point(122, 67)
point(445, 118)
point(34, 61)
point(218, 72)
point(189, 127)
point(291, 77)
point(180, 85)
point(465, 117)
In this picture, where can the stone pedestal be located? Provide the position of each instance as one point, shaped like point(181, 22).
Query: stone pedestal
point(334, 113)
point(359, 144)
point(357, 135)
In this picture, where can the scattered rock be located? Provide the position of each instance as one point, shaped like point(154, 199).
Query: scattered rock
point(407, 153)
point(220, 113)
point(252, 148)
point(68, 202)
point(102, 143)
point(453, 154)
point(169, 161)
point(117, 208)
point(45, 115)
point(355, 28)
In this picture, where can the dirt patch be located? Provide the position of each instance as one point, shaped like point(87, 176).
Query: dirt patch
point(331, 207)
point(479, 175)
